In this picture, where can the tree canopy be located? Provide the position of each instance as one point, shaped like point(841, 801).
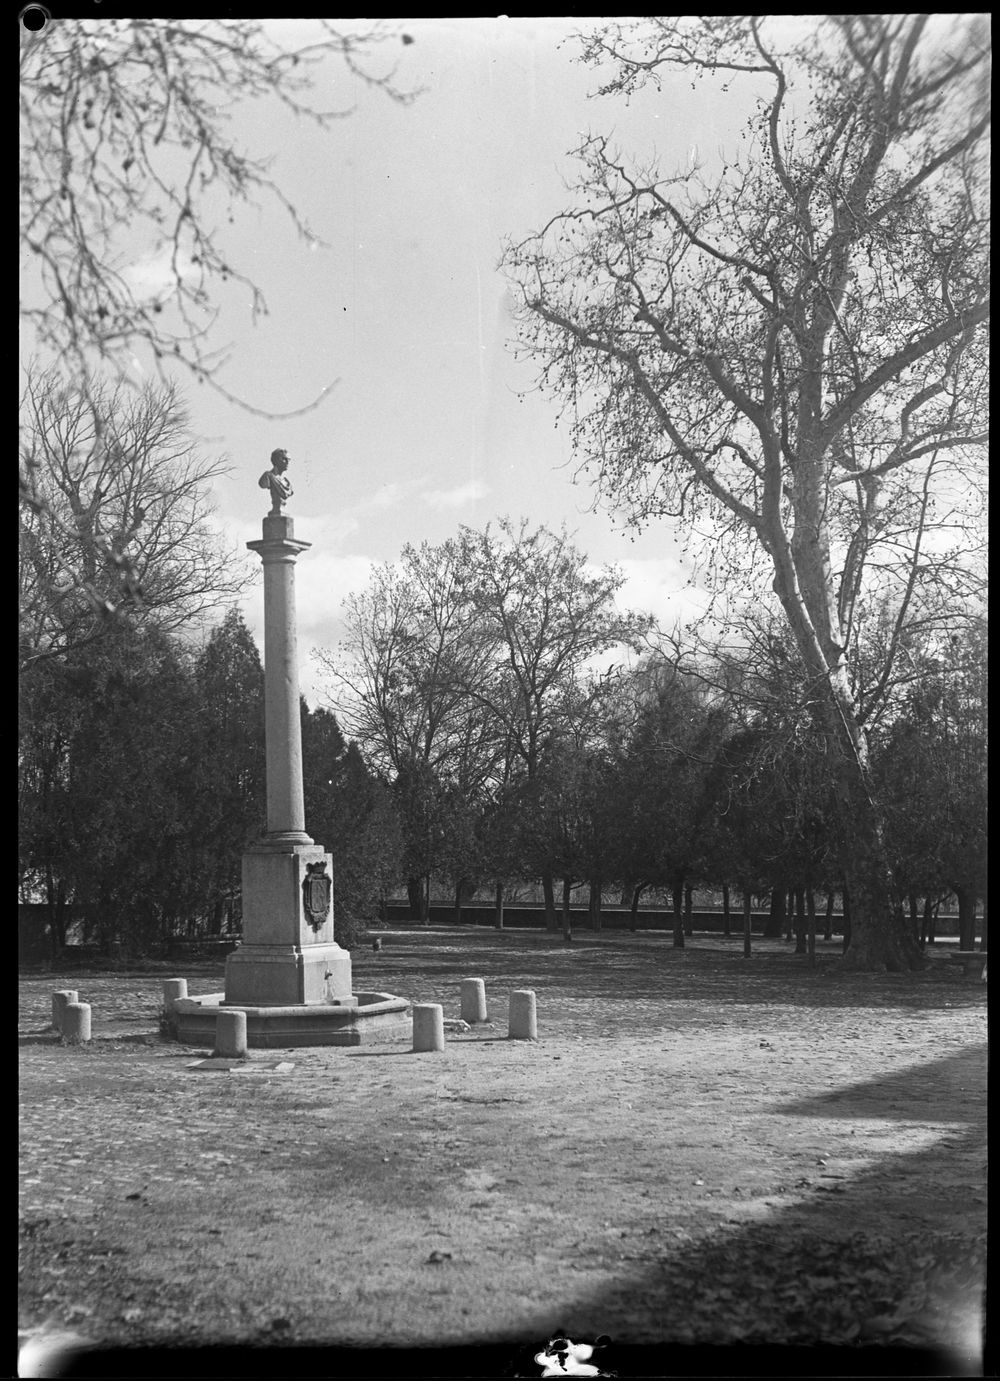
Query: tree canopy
point(114, 516)
point(790, 350)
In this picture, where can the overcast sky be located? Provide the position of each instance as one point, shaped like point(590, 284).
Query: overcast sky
point(432, 423)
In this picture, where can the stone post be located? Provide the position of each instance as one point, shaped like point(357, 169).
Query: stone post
point(173, 990)
point(60, 1000)
point(523, 1025)
point(231, 1035)
point(428, 1026)
point(473, 991)
point(76, 1023)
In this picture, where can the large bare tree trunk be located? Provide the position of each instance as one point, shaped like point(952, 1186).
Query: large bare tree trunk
point(879, 938)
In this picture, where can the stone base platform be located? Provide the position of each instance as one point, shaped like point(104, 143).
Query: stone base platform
point(361, 1019)
point(287, 976)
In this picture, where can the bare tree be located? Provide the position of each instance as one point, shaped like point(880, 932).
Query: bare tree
point(468, 659)
point(793, 351)
point(126, 146)
point(545, 615)
point(114, 516)
point(399, 678)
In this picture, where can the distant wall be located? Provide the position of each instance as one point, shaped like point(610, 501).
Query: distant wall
point(531, 916)
point(524, 916)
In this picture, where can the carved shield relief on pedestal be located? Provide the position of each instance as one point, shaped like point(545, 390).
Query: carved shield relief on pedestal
point(316, 889)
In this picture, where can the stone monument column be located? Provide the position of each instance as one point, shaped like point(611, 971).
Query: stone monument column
point(286, 816)
point(288, 956)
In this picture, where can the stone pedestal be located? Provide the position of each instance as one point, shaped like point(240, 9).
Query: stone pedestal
point(286, 958)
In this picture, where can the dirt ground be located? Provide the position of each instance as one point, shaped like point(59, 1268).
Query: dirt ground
point(725, 1166)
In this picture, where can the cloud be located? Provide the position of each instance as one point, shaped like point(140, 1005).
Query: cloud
point(459, 497)
point(390, 495)
point(659, 586)
point(322, 583)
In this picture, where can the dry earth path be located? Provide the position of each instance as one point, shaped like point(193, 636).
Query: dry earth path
point(699, 1152)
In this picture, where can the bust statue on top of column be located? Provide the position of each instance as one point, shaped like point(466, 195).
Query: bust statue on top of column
point(277, 481)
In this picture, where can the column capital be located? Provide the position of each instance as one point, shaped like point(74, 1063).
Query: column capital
point(278, 542)
point(272, 549)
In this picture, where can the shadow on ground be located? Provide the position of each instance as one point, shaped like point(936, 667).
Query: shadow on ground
point(912, 1303)
point(953, 1084)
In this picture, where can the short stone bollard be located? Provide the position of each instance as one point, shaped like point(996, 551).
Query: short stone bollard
point(428, 1026)
point(523, 1018)
point(473, 992)
point(59, 1003)
point(230, 1035)
point(76, 1023)
point(173, 990)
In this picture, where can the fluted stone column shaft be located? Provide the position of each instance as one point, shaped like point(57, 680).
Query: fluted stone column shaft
point(286, 816)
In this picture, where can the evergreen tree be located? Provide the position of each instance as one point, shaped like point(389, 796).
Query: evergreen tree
point(228, 802)
point(352, 813)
